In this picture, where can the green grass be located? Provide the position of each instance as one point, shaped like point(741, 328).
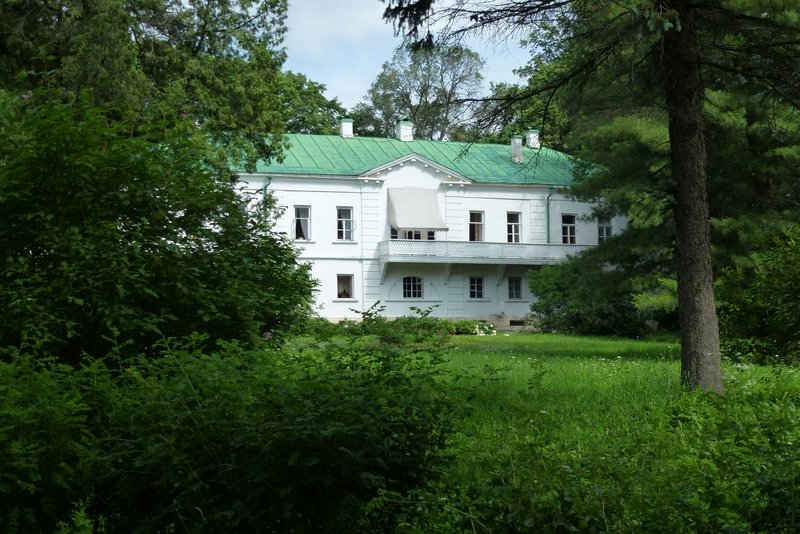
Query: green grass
point(562, 432)
point(578, 392)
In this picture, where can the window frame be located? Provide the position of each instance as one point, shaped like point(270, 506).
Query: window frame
point(349, 278)
point(514, 229)
point(345, 227)
point(569, 230)
point(413, 287)
point(604, 230)
point(476, 287)
point(297, 224)
point(516, 294)
point(476, 227)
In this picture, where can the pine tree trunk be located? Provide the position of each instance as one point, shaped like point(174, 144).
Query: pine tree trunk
point(700, 352)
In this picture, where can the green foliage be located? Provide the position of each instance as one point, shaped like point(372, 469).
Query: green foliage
point(43, 446)
point(297, 439)
point(593, 445)
point(585, 297)
point(216, 64)
point(428, 87)
point(116, 240)
point(760, 305)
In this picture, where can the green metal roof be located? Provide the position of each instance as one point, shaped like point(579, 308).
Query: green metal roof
point(483, 163)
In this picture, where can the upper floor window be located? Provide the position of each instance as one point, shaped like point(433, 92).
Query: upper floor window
point(344, 224)
point(344, 286)
point(604, 230)
point(514, 288)
point(476, 287)
point(412, 287)
point(513, 226)
point(568, 229)
point(394, 233)
point(476, 226)
point(302, 222)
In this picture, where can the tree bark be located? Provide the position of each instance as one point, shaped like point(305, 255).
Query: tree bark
point(700, 350)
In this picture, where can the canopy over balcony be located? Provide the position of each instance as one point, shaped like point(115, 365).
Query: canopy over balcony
point(415, 209)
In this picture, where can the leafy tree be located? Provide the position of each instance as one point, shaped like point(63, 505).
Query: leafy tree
point(581, 296)
point(430, 87)
point(215, 63)
point(677, 48)
point(311, 112)
point(112, 240)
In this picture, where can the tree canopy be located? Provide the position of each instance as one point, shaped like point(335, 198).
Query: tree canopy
point(431, 87)
point(112, 242)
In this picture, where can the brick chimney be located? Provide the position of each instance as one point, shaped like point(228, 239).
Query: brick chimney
point(516, 149)
point(404, 130)
point(346, 127)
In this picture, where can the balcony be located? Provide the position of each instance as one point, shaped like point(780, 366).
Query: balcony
point(417, 251)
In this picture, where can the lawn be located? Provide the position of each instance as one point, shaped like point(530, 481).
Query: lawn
point(560, 433)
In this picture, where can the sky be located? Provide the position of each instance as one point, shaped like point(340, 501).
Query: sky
point(343, 44)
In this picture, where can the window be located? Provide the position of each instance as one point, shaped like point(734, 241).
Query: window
point(476, 226)
point(302, 222)
point(475, 287)
point(604, 230)
point(411, 234)
point(344, 224)
point(412, 287)
point(514, 288)
point(513, 226)
point(344, 286)
point(568, 229)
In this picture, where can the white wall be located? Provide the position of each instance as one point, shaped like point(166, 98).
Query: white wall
point(446, 287)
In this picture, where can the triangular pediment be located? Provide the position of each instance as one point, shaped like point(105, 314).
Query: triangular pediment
point(445, 174)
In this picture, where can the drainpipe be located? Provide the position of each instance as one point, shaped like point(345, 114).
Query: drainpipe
point(547, 208)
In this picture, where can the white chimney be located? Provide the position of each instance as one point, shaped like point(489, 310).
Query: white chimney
point(516, 149)
point(532, 139)
point(346, 127)
point(404, 130)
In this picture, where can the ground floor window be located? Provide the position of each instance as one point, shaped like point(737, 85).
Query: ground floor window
point(476, 287)
point(568, 229)
point(514, 288)
point(412, 287)
point(604, 230)
point(344, 286)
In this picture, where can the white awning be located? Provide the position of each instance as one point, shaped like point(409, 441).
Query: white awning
point(414, 209)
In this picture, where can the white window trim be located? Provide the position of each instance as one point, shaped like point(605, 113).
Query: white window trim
point(352, 224)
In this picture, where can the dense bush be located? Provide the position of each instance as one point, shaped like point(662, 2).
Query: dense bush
point(760, 305)
point(298, 439)
point(115, 236)
point(584, 297)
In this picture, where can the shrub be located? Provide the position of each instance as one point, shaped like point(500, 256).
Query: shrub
point(44, 448)
point(760, 306)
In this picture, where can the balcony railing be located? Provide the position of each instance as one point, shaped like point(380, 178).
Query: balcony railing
point(417, 251)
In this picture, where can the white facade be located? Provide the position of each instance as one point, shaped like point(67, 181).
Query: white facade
point(476, 268)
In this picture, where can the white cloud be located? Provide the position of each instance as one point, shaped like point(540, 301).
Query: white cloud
point(344, 43)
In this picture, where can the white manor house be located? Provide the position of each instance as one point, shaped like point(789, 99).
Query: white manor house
point(414, 223)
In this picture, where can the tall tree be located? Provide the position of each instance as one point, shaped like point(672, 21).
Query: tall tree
point(430, 87)
point(215, 63)
point(680, 47)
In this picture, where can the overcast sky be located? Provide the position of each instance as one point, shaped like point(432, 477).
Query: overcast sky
point(344, 43)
